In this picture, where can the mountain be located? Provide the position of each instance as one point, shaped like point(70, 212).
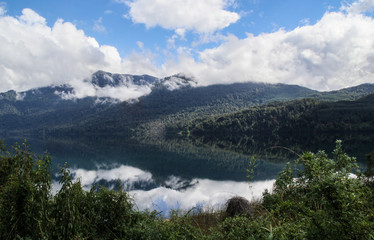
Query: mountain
point(26, 111)
point(170, 101)
point(56, 107)
point(151, 114)
point(103, 79)
point(175, 82)
point(277, 123)
point(351, 93)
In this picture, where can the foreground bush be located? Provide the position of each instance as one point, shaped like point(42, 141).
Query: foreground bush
point(324, 201)
point(318, 198)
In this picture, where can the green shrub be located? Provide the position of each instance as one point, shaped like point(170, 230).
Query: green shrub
point(28, 209)
point(241, 227)
point(318, 198)
point(323, 197)
point(24, 193)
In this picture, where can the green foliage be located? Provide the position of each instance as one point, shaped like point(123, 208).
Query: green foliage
point(323, 197)
point(29, 210)
point(318, 198)
point(243, 228)
point(295, 121)
point(24, 193)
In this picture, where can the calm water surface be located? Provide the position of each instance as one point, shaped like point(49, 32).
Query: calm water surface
point(170, 174)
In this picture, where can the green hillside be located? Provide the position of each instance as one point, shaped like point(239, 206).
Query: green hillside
point(42, 111)
point(169, 107)
point(153, 114)
point(300, 120)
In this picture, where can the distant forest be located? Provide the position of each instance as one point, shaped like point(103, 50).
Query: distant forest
point(238, 117)
point(299, 119)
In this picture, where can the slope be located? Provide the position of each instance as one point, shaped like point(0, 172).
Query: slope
point(301, 120)
point(172, 100)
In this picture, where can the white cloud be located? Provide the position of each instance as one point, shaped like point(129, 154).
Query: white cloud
point(335, 52)
point(180, 32)
point(174, 192)
point(127, 174)
point(203, 192)
point(98, 26)
point(2, 8)
point(140, 44)
point(305, 21)
point(36, 55)
point(178, 81)
point(203, 16)
point(31, 18)
point(124, 93)
point(359, 6)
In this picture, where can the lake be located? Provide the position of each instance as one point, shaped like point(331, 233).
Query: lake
point(174, 174)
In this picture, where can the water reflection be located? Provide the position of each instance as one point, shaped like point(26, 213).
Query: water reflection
point(172, 193)
point(203, 192)
point(162, 159)
point(129, 176)
point(181, 174)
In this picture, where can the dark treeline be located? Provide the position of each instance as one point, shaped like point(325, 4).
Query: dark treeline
point(306, 120)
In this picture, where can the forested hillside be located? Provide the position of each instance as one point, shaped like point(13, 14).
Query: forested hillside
point(42, 108)
point(173, 101)
point(152, 114)
point(163, 107)
point(298, 119)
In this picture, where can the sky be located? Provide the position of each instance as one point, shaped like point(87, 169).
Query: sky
point(319, 44)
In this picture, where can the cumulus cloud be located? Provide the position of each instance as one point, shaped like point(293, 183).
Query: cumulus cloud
point(203, 16)
point(35, 55)
point(359, 6)
point(335, 52)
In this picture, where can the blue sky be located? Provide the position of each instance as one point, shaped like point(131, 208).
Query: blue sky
point(319, 44)
point(106, 21)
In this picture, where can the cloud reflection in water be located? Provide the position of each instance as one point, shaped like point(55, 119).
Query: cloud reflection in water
point(172, 193)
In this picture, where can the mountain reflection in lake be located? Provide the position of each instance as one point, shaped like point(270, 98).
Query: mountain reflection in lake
point(172, 193)
point(170, 174)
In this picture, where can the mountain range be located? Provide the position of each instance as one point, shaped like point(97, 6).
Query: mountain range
point(170, 101)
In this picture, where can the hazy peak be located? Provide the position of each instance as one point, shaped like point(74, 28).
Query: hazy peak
point(106, 79)
point(177, 81)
